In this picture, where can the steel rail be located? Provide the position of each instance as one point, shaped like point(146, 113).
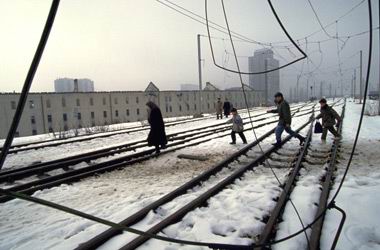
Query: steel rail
point(327, 183)
point(202, 199)
point(40, 168)
point(118, 163)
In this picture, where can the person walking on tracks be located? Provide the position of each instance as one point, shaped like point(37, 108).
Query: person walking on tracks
point(328, 115)
point(157, 135)
point(237, 127)
point(219, 109)
point(226, 108)
point(285, 119)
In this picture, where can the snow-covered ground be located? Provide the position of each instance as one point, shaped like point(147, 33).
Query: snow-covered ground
point(230, 216)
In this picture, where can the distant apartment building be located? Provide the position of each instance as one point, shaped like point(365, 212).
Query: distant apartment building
point(65, 85)
point(54, 112)
point(269, 83)
point(189, 87)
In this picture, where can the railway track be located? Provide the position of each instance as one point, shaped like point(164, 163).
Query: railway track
point(80, 138)
point(72, 175)
point(232, 174)
point(43, 167)
point(274, 216)
point(57, 142)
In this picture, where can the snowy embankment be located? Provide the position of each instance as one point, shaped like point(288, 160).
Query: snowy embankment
point(112, 196)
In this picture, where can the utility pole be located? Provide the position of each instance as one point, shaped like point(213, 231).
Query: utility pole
point(378, 107)
point(298, 81)
point(330, 90)
point(354, 84)
point(307, 89)
point(361, 79)
point(266, 82)
point(321, 90)
point(200, 73)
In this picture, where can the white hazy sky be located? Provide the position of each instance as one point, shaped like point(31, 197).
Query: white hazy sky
point(124, 44)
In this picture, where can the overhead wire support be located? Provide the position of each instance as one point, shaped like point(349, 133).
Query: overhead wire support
point(28, 81)
point(261, 72)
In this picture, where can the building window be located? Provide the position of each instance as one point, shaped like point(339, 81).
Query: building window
point(31, 104)
point(126, 100)
point(180, 108)
point(92, 115)
point(195, 106)
point(170, 109)
point(104, 101)
point(170, 98)
point(63, 102)
point(208, 105)
point(33, 119)
point(167, 108)
point(115, 100)
point(65, 127)
point(78, 102)
point(138, 111)
point(34, 132)
point(117, 113)
point(188, 107)
point(65, 117)
point(51, 130)
point(48, 104)
point(105, 114)
point(13, 104)
point(137, 99)
point(92, 101)
point(49, 119)
point(127, 112)
point(208, 96)
point(79, 115)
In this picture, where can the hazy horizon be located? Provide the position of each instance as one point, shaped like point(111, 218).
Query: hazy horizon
point(124, 45)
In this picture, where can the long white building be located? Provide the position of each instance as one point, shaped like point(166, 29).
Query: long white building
point(269, 83)
point(54, 112)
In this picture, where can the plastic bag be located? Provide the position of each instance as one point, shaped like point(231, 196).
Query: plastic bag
point(318, 128)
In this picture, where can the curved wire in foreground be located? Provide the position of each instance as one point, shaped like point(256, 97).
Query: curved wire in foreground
point(260, 72)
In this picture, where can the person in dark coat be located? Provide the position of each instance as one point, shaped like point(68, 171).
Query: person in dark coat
point(328, 115)
point(157, 135)
point(285, 119)
point(226, 108)
point(237, 127)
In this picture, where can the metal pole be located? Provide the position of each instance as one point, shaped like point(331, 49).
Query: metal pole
point(361, 77)
point(330, 90)
point(307, 89)
point(378, 5)
point(29, 80)
point(266, 83)
point(354, 84)
point(321, 90)
point(298, 93)
point(200, 73)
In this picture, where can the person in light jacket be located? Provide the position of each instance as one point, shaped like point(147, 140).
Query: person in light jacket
point(237, 127)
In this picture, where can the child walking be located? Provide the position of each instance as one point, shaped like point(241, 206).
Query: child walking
point(237, 127)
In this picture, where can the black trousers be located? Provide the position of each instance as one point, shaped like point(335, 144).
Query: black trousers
point(219, 115)
point(241, 134)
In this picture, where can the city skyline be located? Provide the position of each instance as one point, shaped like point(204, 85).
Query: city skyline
point(125, 45)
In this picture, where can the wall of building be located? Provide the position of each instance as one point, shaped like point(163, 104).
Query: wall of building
point(53, 112)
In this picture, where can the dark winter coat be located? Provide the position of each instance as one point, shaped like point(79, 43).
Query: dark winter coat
point(283, 110)
point(237, 123)
point(328, 115)
point(157, 135)
point(227, 107)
